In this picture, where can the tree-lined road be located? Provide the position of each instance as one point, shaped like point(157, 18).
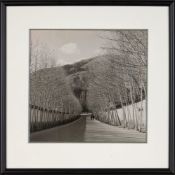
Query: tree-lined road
point(87, 130)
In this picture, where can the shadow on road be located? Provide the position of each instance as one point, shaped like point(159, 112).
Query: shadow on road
point(72, 132)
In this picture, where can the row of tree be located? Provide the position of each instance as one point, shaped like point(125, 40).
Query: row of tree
point(119, 79)
point(52, 101)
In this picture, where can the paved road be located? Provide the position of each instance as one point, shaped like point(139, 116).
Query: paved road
point(87, 130)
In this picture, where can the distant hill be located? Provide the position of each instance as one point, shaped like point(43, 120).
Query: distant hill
point(82, 74)
point(77, 75)
point(76, 67)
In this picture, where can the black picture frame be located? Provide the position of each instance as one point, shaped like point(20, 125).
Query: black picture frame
point(168, 3)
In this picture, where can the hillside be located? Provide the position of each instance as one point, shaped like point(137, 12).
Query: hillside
point(88, 77)
point(76, 67)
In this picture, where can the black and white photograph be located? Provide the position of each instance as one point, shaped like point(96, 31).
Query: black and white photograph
point(88, 86)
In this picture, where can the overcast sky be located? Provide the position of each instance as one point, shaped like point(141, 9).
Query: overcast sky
point(70, 46)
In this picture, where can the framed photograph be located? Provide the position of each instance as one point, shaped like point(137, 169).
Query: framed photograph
point(87, 87)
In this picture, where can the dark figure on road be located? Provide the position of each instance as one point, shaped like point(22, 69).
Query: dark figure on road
point(92, 117)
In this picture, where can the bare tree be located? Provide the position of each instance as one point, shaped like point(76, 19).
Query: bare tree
point(51, 99)
point(119, 78)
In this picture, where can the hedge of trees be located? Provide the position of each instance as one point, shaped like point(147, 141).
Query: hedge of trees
point(119, 79)
point(52, 101)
